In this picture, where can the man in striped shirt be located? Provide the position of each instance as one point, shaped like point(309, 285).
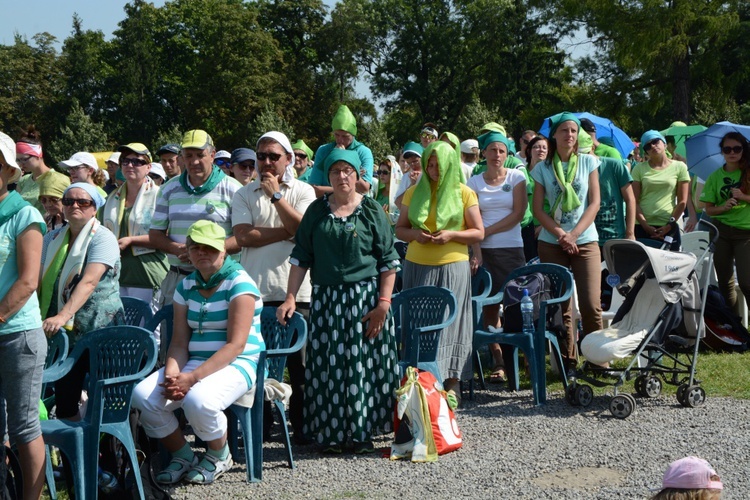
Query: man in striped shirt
point(201, 192)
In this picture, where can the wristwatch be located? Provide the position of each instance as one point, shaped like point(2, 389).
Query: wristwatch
point(275, 197)
point(672, 221)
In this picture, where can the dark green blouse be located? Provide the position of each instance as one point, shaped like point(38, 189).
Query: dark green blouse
point(340, 250)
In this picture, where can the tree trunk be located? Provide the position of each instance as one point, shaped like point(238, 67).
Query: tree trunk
point(681, 91)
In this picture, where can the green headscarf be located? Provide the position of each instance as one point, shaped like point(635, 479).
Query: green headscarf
point(302, 146)
point(492, 136)
point(454, 141)
point(558, 119)
point(347, 155)
point(450, 210)
point(344, 120)
point(493, 126)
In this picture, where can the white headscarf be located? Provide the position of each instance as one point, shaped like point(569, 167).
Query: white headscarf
point(282, 139)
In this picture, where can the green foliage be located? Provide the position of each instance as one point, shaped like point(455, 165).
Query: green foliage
point(266, 121)
point(170, 136)
point(374, 135)
point(79, 133)
point(474, 117)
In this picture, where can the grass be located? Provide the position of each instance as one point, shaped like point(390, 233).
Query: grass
point(721, 375)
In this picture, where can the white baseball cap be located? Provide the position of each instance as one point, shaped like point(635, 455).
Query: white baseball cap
point(157, 169)
point(8, 150)
point(469, 146)
point(80, 158)
point(222, 154)
point(114, 157)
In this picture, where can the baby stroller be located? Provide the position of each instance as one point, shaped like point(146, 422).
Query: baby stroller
point(660, 322)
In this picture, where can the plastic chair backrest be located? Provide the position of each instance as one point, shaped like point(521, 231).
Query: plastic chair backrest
point(57, 349)
point(418, 308)
point(119, 356)
point(278, 337)
point(165, 318)
point(481, 283)
point(137, 312)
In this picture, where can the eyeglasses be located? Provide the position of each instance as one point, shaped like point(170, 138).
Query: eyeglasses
point(77, 168)
point(134, 162)
point(414, 163)
point(274, 157)
point(82, 202)
point(731, 149)
point(383, 172)
point(23, 159)
point(245, 165)
point(651, 144)
point(301, 156)
point(346, 172)
point(48, 199)
point(155, 177)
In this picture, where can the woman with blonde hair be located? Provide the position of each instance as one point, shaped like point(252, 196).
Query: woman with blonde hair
point(83, 167)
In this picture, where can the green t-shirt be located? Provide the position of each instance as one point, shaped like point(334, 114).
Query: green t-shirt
point(659, 189)
point(28, 188)
point(610, 220)
point(144, 271)
point(718, 190)
point(604, 151)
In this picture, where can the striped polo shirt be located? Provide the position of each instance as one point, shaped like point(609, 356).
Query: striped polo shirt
point(207, 317)
point(176, 210)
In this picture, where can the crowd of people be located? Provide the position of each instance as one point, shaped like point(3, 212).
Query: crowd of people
point(221, 235)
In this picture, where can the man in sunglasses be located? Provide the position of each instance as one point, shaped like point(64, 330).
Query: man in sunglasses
point(344, 127)
point(303, 157)
point(201, 192)
point(265, 216)
point(428, 135)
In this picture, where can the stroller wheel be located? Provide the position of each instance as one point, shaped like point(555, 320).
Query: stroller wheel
point(570, 395)
point(640, 385)
point(681, 389)
point(652, 387)
point(622, 405)
point(584, 395)
point(694, 396)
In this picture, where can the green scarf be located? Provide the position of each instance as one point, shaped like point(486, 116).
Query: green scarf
point(216, 177)
point(230, 266)
point(450, 209)
point(10, 206)
point(568, 197)
point(53, 272)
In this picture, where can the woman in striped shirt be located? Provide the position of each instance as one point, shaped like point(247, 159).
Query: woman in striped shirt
point(211, 362)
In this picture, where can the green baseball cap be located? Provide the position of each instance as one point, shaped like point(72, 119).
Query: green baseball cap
point(208, 233)
point(197, 139)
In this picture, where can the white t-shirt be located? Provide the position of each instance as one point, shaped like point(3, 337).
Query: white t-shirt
point(495, 204)
point(405, 184)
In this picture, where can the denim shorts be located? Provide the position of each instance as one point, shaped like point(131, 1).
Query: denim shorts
point(23, 355)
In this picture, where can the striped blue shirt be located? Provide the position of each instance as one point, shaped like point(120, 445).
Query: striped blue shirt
point(208, 317)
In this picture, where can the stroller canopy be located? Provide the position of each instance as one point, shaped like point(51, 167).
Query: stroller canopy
point(628, 259)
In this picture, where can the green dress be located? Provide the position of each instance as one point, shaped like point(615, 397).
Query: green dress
point(349, 379)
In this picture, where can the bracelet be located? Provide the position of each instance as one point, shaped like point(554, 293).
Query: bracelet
point(384, 299)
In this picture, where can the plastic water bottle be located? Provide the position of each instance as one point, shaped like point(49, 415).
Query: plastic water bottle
point(527, 313)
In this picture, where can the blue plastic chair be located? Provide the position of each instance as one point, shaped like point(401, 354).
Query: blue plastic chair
point(534, 346)
point(248, 411)
point(481, 287)
point(165, 318)
point(119, 357)
point(421, 314)
point(57, 350)
point(137, 312)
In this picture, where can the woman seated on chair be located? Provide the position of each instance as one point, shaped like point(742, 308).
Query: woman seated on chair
point(79, 286)
point(211, 362)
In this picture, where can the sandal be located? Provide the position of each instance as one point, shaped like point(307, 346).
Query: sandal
point(174, 476)
point(498, 375)
point(201, 474)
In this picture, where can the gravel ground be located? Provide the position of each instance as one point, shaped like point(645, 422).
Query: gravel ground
point(513, 449)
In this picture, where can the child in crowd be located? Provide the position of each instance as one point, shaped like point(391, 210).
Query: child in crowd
point(690, 478)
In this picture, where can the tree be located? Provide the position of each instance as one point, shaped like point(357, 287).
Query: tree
point(79, 133)
point(649, 45)
point(266, 121)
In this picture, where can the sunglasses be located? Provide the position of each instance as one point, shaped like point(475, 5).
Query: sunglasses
point(731, 149)
point(222, 162)
point(651, 144)
point(274, 157)
point(82, 202)
point(23, 159)
point(245, 165)
point(383, 172)
point(301, 156)
point(135, 162)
